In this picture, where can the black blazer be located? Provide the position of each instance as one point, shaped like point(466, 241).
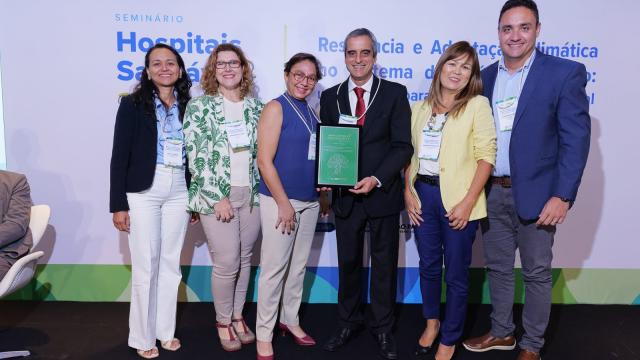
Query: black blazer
point(134, 154)
point(385, 145)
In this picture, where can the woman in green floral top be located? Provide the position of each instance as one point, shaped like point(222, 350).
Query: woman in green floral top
point(220, 134)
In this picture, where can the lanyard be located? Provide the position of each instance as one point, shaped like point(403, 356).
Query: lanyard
point(526, 66)
point(368, 105)
point(302, 118)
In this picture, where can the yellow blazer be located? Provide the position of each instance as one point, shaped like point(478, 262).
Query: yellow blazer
point(466, 139)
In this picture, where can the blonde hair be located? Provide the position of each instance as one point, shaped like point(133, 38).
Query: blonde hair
point(209, 83)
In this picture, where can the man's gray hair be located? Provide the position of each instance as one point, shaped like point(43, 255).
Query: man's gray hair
point(362, 32)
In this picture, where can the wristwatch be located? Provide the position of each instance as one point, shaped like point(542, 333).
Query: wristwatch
point(567, 200)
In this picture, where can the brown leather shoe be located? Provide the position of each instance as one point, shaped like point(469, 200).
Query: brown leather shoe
point(488, 342)
point(528, 355)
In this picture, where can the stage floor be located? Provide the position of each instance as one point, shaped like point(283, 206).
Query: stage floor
point(67, 330)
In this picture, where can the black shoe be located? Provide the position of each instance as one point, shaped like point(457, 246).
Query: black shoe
point(387, 346)
point(427, 351)
point(339, 338)
point(431, 355)
point(424, 350)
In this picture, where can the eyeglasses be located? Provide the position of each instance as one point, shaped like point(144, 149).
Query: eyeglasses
point(299, 77)
point(234, 64)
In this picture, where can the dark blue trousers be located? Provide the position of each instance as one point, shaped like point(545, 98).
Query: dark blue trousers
point(436, 239)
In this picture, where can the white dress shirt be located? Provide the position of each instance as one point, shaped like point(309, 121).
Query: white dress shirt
point(353, 98)
point(353, 101)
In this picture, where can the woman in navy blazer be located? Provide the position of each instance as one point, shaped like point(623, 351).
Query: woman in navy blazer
point(148, 195)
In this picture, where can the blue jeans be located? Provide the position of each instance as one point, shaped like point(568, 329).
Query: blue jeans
point(435, 240)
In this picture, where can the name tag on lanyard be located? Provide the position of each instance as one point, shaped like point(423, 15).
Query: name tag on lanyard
point(430, 147)
point(311, 153)
point(237, 134)
point(348, 119)
point(507, 112)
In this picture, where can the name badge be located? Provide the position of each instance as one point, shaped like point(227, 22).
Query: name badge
point(430, 148)
point(237, 134)
point(507, 112)
point(348, 119)
point(311, 154)
point(172, 153)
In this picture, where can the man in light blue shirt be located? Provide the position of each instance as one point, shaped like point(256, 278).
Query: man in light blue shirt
point(508, 86)
point(543, 126)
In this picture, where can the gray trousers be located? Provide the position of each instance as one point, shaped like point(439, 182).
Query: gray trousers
point(5, 265)
point(503, 231)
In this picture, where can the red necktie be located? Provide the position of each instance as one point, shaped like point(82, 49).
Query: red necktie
point(360, 105)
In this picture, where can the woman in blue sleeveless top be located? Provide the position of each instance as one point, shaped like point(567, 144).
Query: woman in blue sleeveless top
point(289, 202)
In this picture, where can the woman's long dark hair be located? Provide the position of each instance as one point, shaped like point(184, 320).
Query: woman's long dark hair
point(143, 93)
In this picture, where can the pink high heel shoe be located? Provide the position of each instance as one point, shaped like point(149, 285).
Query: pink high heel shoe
point(302, 341)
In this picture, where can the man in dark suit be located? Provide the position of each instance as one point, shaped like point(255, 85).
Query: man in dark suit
point(542, 119)
point(381, 108)
point(15, 213)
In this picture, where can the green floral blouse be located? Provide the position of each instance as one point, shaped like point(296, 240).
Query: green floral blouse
point(208, 151)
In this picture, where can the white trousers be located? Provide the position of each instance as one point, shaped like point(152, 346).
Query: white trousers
point(159, 221)
point(283, 264)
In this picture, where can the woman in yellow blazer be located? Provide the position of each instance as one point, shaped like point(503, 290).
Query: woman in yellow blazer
point(454, 143)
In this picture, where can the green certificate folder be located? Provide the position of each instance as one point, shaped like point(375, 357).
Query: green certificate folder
point(337, 154)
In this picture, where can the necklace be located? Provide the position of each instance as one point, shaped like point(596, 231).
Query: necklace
point(434, 119)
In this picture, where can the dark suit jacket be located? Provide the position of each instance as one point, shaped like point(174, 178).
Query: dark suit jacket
point(134, 154)
point(385, 145)
point(551, 132)
point(15, 213)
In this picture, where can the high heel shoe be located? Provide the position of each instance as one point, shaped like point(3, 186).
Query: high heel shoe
point(424, 350)
point(171, 345)
point(246, 336)
point(231, 344)
point(428, 352)
point(262, 357)
point(149, 354)
point(454, 356)
point(302, 341)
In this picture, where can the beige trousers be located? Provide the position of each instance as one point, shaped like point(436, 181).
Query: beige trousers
point(231, 246)
point(283, 261)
